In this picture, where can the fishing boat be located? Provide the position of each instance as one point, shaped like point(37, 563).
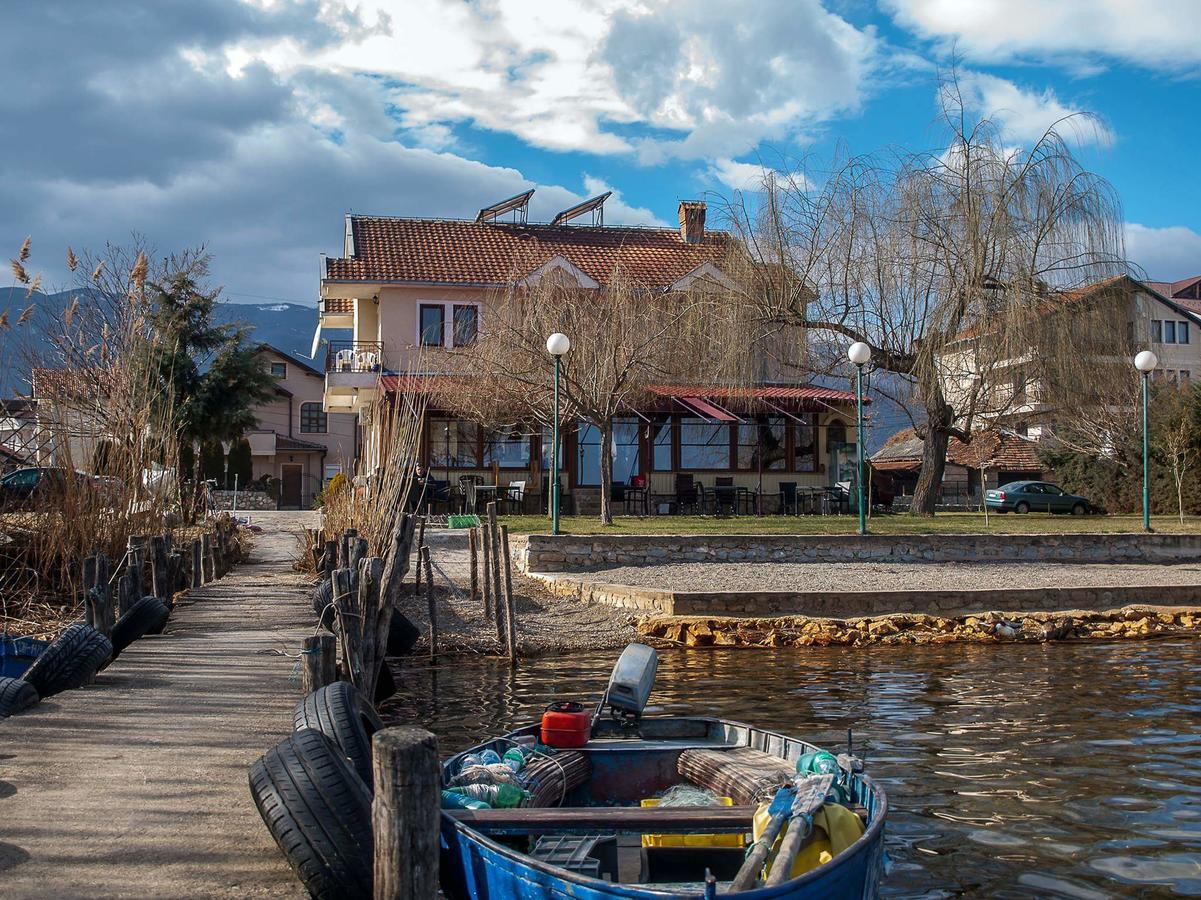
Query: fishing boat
point(779, 817)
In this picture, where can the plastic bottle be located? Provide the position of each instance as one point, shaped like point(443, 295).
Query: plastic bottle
point(819, 762)
point(514, 759)
point(500, 796)
point(488, 757)
point(471, 759)
point(455, 800)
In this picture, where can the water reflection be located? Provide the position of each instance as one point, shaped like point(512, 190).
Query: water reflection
point(1070, 770)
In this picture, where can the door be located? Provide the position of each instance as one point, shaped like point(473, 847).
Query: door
point(289, 494)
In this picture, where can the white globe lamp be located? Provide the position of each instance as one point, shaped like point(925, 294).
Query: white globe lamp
point(558, 344)
point(1146, 361)
point(859, 353)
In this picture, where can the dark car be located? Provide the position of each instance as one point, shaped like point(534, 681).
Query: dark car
point(33, 487)
point(1035, 496)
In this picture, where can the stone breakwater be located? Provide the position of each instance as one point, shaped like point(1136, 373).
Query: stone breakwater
point(904, 629)
point(573, 553)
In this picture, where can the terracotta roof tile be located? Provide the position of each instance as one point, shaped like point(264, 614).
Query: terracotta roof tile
point(758, 392)
point(996, 449)
point(337, 306)
point(452, 251)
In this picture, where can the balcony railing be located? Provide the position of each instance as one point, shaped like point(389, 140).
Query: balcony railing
point(354, 356)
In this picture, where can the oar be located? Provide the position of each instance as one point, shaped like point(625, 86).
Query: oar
point(779, 810)
point(810, 795)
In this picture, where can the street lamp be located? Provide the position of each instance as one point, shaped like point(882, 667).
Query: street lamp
point(1145, 362)
point(226, 446)
point(556, 345)
point(859, 353)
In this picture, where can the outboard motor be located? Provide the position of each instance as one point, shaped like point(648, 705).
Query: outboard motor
point(631, 682)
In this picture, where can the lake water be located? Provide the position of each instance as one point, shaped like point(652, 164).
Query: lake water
point(1052, 770)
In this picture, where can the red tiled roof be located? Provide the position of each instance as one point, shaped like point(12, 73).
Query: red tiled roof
point(451, 251)
point(995, 449)
point(758, 392)
point(337, 306)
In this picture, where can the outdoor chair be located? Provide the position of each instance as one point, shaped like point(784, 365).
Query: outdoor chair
point(637, 495)
point(566, 503)
point(725, 497)
point(790, 500)
point(467, 485)
point(343, 360)
point(513, 498)
point(688, 495)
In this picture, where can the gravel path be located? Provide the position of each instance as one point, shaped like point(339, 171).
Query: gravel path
point(873, 576)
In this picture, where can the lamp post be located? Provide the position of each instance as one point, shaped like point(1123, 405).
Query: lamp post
point(1145, 362)
point(226, 446)
point(556, 345)
point(859, 353)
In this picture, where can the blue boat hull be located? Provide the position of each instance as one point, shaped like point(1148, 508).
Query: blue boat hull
point(18, 653)
point(475, 867)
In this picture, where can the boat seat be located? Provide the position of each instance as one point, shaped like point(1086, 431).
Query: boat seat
point(607, 819)
point(745, 775)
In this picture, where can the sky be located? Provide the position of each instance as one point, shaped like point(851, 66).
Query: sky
point(252, 126)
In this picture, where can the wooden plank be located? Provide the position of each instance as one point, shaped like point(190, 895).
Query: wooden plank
point(629, 819)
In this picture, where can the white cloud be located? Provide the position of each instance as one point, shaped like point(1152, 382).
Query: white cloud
point(1165, 254)
point(1025, 115)
point(738, 176)
point(1148, 33)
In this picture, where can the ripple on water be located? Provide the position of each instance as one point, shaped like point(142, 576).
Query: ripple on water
point(1066, 770)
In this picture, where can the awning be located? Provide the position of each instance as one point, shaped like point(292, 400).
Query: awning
point(708, 410)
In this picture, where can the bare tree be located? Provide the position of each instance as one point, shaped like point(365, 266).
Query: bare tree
point(625, 337)
point(950, 265)
point(1176, 441)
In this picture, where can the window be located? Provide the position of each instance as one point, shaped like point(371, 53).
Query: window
point(279, 370)
point(766, 432)
point(1169, 332)
point(509, 447)
point(432, 324)
point(804, 444)
point(1156, 331)
point(466, 321)
point(624, 451)
point(661, 445)
point(331, 471)
point(1182, 332)
point(454, 444)
point(25, 478)
point(836, 435)
point(313, 419)
point(704, 445)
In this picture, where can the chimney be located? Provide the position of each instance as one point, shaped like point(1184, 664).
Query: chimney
point(692, 221)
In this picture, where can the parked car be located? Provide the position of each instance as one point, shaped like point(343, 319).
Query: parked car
point(33, 487)
point(1035, 496)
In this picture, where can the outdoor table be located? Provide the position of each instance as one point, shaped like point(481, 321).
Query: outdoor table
point(484, 494)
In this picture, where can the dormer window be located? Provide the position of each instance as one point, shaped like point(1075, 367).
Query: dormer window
point(279, 370)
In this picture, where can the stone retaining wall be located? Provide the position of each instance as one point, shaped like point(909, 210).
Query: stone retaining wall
point(852, 604)
point(569, 553)
point(247, 500)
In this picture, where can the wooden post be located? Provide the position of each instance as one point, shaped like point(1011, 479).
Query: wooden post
point(423, 562)
point(329, 559)
point(98, 596)
point(210, 563)
point(197, 563)
point(405, 813)
point(344, 552)
point(486, 559)
point(136, 558)
point(420, 546)
point(358, 552)
point(348, 621)
point(510, 605)
point(89, 582)
point(475, 567)
point(320, 661)
point(174, 575)
point(129, 588)
point(497, 583)
point(160, 582)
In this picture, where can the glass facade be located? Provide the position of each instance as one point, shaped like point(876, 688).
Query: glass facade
point(766, 433)
point(704, 445)
point(624, 450)
point(509, 447)
point(804, 444)
point(454, 444)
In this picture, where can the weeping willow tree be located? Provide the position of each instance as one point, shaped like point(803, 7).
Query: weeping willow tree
point(625, 338)
point(953, 266)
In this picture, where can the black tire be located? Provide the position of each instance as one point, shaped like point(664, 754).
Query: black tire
point(402, 634)
point(1079, 509)
point(1022, 508)
point(70, 661)
point(147, 616)
point(16, 695)
point(319, 812)
point(323, 596)
point(338, 712)
point(385, 685)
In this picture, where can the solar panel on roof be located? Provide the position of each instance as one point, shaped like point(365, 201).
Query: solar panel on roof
point(595, 205)
point(518, 204)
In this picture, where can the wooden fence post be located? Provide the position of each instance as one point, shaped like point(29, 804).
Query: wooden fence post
point(329, 559)
point(420, 546)
point(197, 563)
point(210, 562)
point(349, 623)
point(344, 551)
point(423, 562)
point(320, 661)
point(129, 588)
point(98, 595)
point(486, 560)
point(174, 575)
point(160, 584)
point(405, 813)
point(475, 567)
point(136, 559)
point(89, 582)
point(510, 605)
point(498, 590)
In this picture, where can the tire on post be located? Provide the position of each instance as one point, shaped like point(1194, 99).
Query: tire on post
point(70, 661)
point(319, 812)
point(16, 695)
point(147, 616)
point(338, 712)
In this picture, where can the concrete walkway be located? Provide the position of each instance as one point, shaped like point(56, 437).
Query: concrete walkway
point(135, 786)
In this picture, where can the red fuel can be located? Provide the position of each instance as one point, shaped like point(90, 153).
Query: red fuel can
point(566, 724)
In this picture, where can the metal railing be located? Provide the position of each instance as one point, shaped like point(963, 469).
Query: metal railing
point(354, 356)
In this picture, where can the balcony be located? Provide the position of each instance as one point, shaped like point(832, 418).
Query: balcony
point(352, 370)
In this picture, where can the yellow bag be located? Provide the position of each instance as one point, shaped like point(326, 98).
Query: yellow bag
point(835, 828)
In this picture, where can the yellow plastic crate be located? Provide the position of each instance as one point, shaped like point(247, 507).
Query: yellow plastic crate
point(732, 839)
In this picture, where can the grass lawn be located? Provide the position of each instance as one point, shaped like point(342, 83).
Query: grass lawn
point(943, 523)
